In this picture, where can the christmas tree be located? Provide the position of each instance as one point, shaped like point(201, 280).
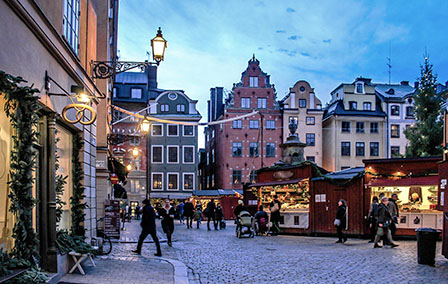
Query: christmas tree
point(425, 136)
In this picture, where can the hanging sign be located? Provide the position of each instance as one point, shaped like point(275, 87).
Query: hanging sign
point(113, 179)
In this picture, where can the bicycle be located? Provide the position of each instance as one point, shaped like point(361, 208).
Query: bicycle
point(102, 240)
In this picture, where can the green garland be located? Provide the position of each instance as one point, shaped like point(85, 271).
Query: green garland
point(76, 201)
point(68, 242)
point(22, 109)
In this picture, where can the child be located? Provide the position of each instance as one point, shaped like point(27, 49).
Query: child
point(198, 215)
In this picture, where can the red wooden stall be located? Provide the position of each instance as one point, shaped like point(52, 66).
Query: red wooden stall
point(228, 199)
point(443, 203)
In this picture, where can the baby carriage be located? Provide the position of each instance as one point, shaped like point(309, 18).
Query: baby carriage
point(245, 225)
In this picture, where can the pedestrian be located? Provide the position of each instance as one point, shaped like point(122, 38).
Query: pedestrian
point(372, 217)
point(240, 207)
point(275, 207)
point(148, 225)
point(261, 220)
point(180, 211)
point(137, 212)
point(393, 209)
point(219, 216)
point(384, 221)
point(198, 215)
point(209, 212)
point(188, 213)
point(341, 220)
point(129, 208)
point(167, 213)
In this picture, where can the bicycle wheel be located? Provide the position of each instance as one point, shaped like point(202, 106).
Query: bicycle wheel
point(107, 244)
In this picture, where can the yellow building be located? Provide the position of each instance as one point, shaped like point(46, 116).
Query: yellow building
point(353, 126)
point(302, 105)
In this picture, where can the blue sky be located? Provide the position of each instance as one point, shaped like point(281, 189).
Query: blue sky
point(323, 42)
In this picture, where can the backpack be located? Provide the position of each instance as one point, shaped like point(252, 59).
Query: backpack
point(262, 223)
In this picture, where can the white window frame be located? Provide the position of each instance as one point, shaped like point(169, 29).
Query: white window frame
point(252, 124)
point(183, 181)
point(168, 154)
point(183, 154)
point(180, 107)
point(253, 82)
point(264, 103)
point(270, 124)
point(70, 23)
point(152, 154)
point(164, 108)
point(245, 100)
point(168, 181)
point(168, 130)
point(238, 123)
point(152, 181)
point(183, 131)
point(362, 87)
point(136, 89)
point(152, 130)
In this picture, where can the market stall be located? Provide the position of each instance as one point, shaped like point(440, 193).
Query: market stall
point(443, 201)
point(228, 199)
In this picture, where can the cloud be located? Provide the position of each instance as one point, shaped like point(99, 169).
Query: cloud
point(290, 10)
point(287, 51)
point(305, 54)
point(327, 40)
point(294, 37)
point(280, 31)
point(260, 48)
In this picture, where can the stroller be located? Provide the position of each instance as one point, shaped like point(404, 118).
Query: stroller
point(245, 225)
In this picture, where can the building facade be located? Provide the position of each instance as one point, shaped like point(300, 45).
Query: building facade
point(353, 126)
point(237, 148)
point(57, 40)
point(302, 106)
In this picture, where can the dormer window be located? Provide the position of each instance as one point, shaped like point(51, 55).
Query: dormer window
point(253, 82)
point(390, 91)
point(395, 110)
point(359, 88)
point(352, 105)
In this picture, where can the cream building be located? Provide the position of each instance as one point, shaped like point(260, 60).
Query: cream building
point(302, 105)
point(353, 126)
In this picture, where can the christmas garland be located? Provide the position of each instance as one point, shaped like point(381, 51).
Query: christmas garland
point(76, 201)
point(21, 108)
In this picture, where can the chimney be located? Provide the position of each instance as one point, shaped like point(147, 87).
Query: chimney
point(404, 83)
point(415, 85)
point(151, 71)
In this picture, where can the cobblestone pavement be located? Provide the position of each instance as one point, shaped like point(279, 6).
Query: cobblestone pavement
point(219, 257)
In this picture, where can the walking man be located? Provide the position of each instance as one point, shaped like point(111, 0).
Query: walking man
point(393, 209)
point(148, 228)
point(210, 214)
point(275, 207)
point(384, 221)
point(188, 213)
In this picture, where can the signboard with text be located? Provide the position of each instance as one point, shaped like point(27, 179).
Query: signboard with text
point(112, 218)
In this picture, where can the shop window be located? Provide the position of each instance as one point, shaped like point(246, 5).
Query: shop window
point(237, 124)
point(136, 93)
point(188, 181)
point(253, 149)
point(270, 124)
point(236, 176)
point(173, 181)
point(157, 130)
point(359, 127)
point(188, 154)
point(302, 103)
point(237, 149)
point(245, 102)
point(367, 106)
point(261, 102)
point(345, 148)
point(270, 150)
point(395, 110)
point(64, 152)
point(395, 131)
point(409, 111)
point(374, 149)
point(70, 23)
point(374, 127)
point(253, 124)
point(310, 120)
point(310, 139)
point(188, 130)
point(173, 154)
point(173, 130)
point(296, 220)
point(157, 154)
point(346, 126)
point(360, 149)
point(395, 151)
point(352, 105)
point(157, 181)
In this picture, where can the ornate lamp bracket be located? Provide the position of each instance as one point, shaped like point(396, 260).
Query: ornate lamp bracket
point(107, 69)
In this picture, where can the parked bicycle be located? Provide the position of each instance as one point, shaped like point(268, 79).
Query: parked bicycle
point(102, 240)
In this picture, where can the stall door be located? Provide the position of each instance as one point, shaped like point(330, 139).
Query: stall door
point(326, 199)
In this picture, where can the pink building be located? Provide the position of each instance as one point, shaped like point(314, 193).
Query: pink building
point(236, 149)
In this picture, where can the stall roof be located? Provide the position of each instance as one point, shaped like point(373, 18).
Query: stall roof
point(291, 181)
point(428, 180)
point(217, 192)
point(170, 195)
point(343, 174)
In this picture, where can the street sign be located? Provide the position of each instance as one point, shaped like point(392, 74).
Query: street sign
point(113, 179)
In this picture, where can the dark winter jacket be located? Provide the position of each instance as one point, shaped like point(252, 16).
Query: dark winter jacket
point(275, 216)
point(393, 208)
point(238, 209)
point(219, 215)
point(384, 215)
point(210, 209)
point(148, 218)
point(167, 219)
point(341, 214)
point(188, 209)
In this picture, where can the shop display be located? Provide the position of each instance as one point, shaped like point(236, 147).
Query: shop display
point(292, 196)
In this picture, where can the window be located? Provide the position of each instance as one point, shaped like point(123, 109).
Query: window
point(359, 127)
point(359, 88)
point(310, 139)
point(114, 92)
point(173, 130)
point(395, 131)
point(253, 176)
point(360, 149)
point(164, 108)
point(208, 158)
point(213, 155)
point(270, 150)
point(352, 105)
point(237, 124)
point(310, 120)
point(253, 124)
point(261, 102)
point(253, 81)
point(345, 148)
point(134, 140)
point(236, 176)
point(302, 103)
point(270, 124)
point(213, 180)
point(346, 126)
point(135, 185)
point(157, 130)
point(374, 127)
point(180, 108)
point(253, 149)
point(395, 151)
point(245, 102)
point(157, 181)
point(173, 154)
point(188, 130)
point(188, 181)
point(71, 24)
point(311, 158)
point(374, 149)
point(136, 93)
point(237, 149)
point(157, 154)
point(409, 111)
point(173, 181)
point(395, 110)
point(367, 106)
point(189, 154)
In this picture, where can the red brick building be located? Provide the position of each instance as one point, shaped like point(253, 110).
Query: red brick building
point(236, 149)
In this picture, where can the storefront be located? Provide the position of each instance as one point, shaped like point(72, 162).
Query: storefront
point(228, 199)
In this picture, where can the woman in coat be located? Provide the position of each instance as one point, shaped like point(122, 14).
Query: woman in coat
point(219, 215)
point(341, 215)
point(167, 213)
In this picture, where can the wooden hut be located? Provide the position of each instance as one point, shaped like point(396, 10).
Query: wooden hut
point(443, 203)
point(228, 199)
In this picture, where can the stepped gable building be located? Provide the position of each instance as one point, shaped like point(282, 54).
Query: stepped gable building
point(353, 126)
point(236, 149)
point(302, 106)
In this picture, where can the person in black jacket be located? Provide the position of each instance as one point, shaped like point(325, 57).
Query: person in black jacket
point(384, 221)
point(219, 215)
point(275, 207)
point(167, 213)
point(341, 215)
point(188, 213)
point(148, 228)
point(209, 212)
point(240, 207)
